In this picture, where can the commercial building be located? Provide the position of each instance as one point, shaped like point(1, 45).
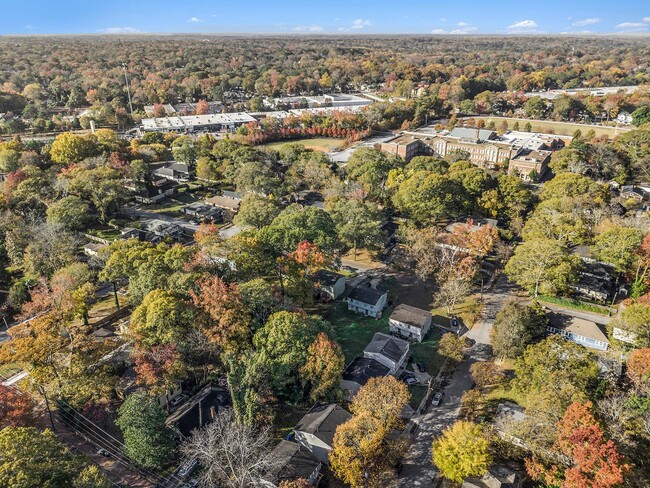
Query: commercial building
point(484, 148)
point(191, 123)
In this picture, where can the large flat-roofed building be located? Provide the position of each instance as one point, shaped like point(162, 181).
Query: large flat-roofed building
point(529, 165)
point(484, 147)
point(191, 123)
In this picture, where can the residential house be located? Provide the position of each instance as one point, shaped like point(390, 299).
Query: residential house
point(290, 461)
point(203, 212)
point(199, 410)
point(389, 351)
point(173, 171)
point(316, 429)
point(162, 228)
point(631, 192)
point(330, 285)
point(367, 301)
point(93, 248)
point(409, 322)
point(581, 331)
point(595, 281)
point(496, 477)
point(228, 201)
point(359, 371)
point(156, 192)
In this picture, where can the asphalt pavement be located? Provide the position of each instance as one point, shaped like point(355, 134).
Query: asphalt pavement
point(418, 470)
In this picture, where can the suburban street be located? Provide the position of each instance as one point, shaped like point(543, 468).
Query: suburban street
point(418, 469)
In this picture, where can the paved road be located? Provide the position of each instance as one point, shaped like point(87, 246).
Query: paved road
point(594, 317)
point(418, 468)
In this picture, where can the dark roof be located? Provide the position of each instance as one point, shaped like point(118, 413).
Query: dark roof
point(198, 410)
point(496, 477)
point(360, 370)
point(326, 278)
point(367, 295)
point(291, 461)
point(387, 346)
point(410, 315)
point(322, 421)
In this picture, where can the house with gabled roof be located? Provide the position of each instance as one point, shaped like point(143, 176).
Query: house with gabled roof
point(409, 322)
point(389, 351)
point(329, 285)
point(290, 461)
point(367, 301)
point(316, 429)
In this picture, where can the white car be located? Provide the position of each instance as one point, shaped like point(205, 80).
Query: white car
point(437, 398)
point(187, 468)
point(177, 400)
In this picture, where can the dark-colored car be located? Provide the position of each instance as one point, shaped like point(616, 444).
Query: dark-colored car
point(419, 367)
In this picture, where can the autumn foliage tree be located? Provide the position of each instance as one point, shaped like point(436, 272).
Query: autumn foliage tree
point(225, 319)
point(462, 451)
point(363, 450)
point(638, 368)
point(593, 461)
point(322, 371)
point(16, 408)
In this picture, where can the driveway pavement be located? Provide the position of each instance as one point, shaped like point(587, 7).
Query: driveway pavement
point(418, 468)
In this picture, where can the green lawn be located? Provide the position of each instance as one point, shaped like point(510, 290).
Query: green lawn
point(417, 394)
point(354, 331)
point(325, 144)
point(560, 128)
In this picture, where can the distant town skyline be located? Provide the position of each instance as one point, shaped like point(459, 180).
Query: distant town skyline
point(121, 17)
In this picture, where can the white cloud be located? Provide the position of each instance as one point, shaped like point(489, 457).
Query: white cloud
point(631, 25)
point(438, 31)
point(120, 30)
point(462, 28)
point(523, 25)
point(443, 19)
point(462, 24)
point(361, 23)
point(194, 19)
point(589, 21)
point(646, 19)
point(308, 28)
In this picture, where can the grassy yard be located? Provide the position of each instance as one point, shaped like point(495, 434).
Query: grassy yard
point(574, 304)
point(324, 144)
point(286, 419)
point(560, 128)
point(417, 394)
point(354, 331)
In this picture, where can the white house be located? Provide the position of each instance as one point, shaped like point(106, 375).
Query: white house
point(389, 351)
point(367, 301)
point(411, 323)
point(581, 331)
point(329, 284)
point(316, 429)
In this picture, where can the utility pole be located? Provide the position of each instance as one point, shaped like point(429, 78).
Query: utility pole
point(128, 89)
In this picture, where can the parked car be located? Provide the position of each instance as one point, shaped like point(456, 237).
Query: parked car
point(411, 381)
point(177, 400)
point(419, 367)
point(103, 452)
point(437, 398)
point(187, 468)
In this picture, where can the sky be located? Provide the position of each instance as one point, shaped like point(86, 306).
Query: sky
point(449, 17)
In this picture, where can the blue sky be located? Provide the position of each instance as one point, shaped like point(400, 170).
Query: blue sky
point(323, 17)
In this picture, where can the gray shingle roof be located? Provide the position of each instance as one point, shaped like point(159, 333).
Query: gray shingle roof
point(360, 370)
point(367, 295)
point(387, 346)
point(322, 421)
point(410, 315)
